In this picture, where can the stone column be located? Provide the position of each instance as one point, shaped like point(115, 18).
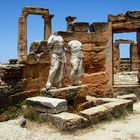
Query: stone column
point(47, 26)
point(22, 39)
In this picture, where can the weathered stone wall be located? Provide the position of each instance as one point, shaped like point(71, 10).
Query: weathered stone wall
point(135, 58)
point(97, 48)
point(97, 58)
point(128, 22)
point(116, 57)
point(11, 84)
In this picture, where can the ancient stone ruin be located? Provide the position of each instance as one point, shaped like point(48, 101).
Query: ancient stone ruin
point(125, 64)
point(78, 106)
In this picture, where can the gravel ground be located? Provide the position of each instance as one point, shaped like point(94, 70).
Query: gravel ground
point(123, 129)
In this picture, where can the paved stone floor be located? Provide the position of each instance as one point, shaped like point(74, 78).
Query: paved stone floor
point(126, 78)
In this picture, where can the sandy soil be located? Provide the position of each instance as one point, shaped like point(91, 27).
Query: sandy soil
point(127, 128)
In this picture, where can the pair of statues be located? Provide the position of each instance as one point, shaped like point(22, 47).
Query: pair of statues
point(58, 61)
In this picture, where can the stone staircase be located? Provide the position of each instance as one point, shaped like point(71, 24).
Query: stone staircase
point(54, 106)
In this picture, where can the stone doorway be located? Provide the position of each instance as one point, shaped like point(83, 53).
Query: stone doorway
point(126, 23)
point(22, 29)
point(125, 57)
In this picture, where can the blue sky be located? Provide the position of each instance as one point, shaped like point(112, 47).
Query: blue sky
point(84, 10)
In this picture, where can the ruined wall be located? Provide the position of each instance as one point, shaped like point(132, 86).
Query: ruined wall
point(135, 58)
point(116, 57)
point(128, 22)
point(97, 48)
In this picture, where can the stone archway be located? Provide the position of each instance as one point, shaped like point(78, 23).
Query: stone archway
point(22, 29)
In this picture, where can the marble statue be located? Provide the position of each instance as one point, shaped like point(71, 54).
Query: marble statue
point(77, 68)
point(58, 60)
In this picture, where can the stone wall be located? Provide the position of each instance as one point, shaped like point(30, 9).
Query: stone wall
point(97, 48)
point(135, 58)
point(128, 22)
point(97, 58)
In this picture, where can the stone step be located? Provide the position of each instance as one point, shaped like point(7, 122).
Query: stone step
point(67, 121)
point(132, 97)
point(67, 93)
point(126, 89)
point(96, 114)
point(46, 104)
point(111, 109)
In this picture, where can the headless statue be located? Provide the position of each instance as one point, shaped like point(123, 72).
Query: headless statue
point(77, 68)
point(58, 60)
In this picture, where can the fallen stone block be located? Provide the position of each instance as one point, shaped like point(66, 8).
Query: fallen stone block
point(46, 104)
point(132, 97)
point(67, 121)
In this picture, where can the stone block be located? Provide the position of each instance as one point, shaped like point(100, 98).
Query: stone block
point(99, 26)
point(79, 26)
point(68, 121)
point(92, 48)
point(94, 62)
point(35, 10)
point(32, 59)
point(44, 58)
point(128, 97)
point(11, 71)
point(98, 78)
point(68, 93)
point(96, 114)
point(38, 47)
point(46, 104)
point(117, 18)
point(11, 87)
point(133, 15)
point(31, 72)
point(97, 90)
point(114, 108)
point(119, 107)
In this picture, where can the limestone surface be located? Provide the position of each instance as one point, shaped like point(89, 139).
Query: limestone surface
point(68, 121)
point(67, 93)
point(129, 97)
point(46, 104)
